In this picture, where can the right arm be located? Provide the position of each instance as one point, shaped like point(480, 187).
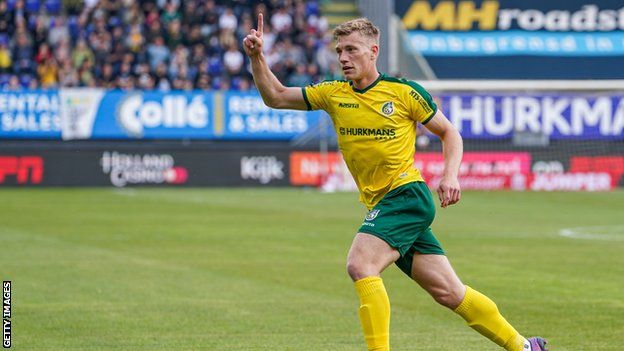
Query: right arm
point(273, 92)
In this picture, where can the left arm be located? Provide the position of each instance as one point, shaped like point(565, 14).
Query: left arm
point(448, 191)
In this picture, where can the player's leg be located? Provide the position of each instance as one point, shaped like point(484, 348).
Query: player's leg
point(435, 274)
point(368, 257)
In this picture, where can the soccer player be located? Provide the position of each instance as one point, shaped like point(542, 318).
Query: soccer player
point(375, 117)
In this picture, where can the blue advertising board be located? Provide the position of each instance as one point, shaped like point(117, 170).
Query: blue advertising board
point(154, 115)
point(558, 116)
point(30, 114)
point(101, 114)
point(247, 117)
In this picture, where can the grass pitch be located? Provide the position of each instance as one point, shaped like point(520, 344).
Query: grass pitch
point(263, 269)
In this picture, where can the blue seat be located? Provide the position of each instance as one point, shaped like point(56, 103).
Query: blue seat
point(32, 6)
point(53, 6)
point(25, 80)
point(72, 25)
point(4, 79)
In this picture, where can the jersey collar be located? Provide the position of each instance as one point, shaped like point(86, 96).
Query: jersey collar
point(362, 91)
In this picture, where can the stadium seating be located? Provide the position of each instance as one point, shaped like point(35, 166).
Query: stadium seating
point(118, 31)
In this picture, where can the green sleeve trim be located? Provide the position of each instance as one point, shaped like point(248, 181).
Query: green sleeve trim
point(430, 117)
point(305, 98)
point(419, 89)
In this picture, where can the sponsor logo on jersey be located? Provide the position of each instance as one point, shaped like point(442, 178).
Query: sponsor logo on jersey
point(387, 108)
point(385, 133)
point(348, 105)
point(372, 214)
point(421, 101)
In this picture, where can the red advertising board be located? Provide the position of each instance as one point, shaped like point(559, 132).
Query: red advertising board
point(479, 170)
point(613, 165)
point(25, 169)
point(310, 168)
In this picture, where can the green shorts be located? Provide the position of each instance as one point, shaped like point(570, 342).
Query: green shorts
point(402, 219)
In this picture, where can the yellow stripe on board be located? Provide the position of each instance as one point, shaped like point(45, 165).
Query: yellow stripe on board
point(218, 113)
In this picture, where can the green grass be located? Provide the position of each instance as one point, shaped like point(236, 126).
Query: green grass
point(244, 269)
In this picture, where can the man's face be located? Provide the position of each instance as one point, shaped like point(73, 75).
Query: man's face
point(357, 55)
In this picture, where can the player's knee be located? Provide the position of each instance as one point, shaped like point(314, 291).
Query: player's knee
point(447, 297)
point(358, 270)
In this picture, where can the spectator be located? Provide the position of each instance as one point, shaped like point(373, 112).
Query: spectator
point(171, 13)
point(203, 82)
point(43, 54)
point(81, 53)
point(269, 37)
point(63, 50)
point(40, 34)
point(5, 57)
point(281, 21)
point(192, 15)
point(14, 83)
point(174, 36)
point(310, 47)
point(292, 54)
point(102, 46)
point(145, 80)
point(158, 53)
point(48, 72)
point(154, 30)
point(210, 18)
point(228, 21)
point(326, 56)
point(194, 37)
point(58, 31)
point(158, 44)
point(19, 13)
point(23, 55)
point(85, 74)
point(68, 76)
point(233, 60)
point(162, 82)
point(135, 39)
point(244, 84)
point(6, 18)
point(300, 78)
point(313, 73)
point(134, 15)
point(179, 61)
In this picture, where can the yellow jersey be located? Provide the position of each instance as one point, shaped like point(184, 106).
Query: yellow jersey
point(376, 129)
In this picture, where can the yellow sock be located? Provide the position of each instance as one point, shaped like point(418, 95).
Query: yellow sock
point(374, 313)
point(482, 315)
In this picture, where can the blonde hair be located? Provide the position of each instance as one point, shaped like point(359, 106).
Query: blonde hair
point(361, 25)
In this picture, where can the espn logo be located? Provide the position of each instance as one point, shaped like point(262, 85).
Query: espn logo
point(26, 169)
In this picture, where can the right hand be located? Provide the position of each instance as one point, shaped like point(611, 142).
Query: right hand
point(449, 191)
point(253, 41)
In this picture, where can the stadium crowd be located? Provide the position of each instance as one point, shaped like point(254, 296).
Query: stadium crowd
point(158, 44)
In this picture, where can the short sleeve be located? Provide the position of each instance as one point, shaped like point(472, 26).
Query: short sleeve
point(316, 95)
point(422, 106)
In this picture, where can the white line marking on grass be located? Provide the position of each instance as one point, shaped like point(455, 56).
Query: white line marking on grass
point(602, 232)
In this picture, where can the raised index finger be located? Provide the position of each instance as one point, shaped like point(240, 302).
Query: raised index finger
point(260, 23)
